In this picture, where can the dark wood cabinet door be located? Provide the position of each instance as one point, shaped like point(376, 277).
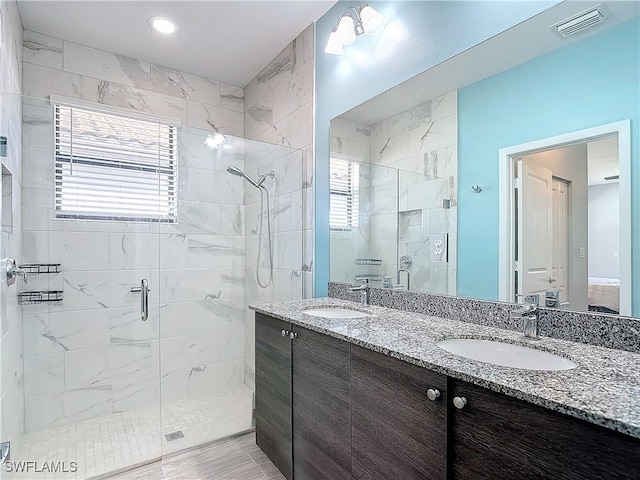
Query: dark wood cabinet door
point(397, 432)
point(499, 437)
point(273, 392)
point(321, 407)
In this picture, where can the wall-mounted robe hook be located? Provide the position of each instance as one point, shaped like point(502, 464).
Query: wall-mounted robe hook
point(476, 188)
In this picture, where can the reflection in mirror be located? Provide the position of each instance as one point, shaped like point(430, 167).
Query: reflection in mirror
point(393, 198)
point(566, 221)
point(527, 84)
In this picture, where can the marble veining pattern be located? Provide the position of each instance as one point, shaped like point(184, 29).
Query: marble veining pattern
point(603, 389)
point(42, 49)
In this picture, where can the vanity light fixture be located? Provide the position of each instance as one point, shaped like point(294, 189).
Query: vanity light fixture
point(163, 25)
point(214, 140)
point(355, 21)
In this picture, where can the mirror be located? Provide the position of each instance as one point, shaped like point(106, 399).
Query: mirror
point(430, 159)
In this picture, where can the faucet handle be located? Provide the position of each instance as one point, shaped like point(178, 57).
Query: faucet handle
point(529, 298)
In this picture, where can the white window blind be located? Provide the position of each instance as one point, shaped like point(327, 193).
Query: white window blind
point(112, 167)
point(344, 185)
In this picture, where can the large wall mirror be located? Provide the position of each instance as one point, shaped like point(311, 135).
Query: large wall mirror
point(502, 172)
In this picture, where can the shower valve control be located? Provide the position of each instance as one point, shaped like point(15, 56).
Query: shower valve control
point(12, 271)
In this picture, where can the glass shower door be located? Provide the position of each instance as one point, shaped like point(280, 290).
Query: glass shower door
point(202, 294)
point(91, 360)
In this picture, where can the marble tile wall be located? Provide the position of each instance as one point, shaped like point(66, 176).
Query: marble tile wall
point(55, 66)
point(413, 156)
point(350, 141)
point(422, 143)
point(279, 111)
point(11, 354)
point(91, 354)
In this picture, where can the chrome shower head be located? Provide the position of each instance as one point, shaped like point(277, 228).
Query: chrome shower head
point(239, 173)
point(235, 171)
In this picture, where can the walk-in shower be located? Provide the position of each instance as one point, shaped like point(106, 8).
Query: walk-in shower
point(89, 381)
point(263, 192)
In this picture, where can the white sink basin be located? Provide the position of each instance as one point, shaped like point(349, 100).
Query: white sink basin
point(335, 313)
point(505, 354)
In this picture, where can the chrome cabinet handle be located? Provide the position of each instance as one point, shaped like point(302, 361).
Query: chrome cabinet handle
point(143, 290)
point(284, 333)
point(459, 402)
point(293, 335)
point(433, 394)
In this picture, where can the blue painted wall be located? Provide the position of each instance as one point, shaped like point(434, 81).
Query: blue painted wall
point(417, 36)
point(592, 82)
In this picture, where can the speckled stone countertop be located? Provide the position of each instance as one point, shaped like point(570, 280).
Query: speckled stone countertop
point(604, 389)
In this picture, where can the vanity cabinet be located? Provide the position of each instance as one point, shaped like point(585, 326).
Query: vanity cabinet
point(273, 391)
point(327, 409)
point(398, 432)
point(321, 406)
point(303, 414)
point(496, 436)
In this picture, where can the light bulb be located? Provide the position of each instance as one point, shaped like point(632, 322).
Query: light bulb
point(334, 45)
point(163, 25)
point(371, 20)
point(213, 141)
point(346, 30)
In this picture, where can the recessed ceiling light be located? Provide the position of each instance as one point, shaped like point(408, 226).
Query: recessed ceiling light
point(163, 25)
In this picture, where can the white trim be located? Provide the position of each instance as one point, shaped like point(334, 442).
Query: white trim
point(505, 195)
point(124, 112)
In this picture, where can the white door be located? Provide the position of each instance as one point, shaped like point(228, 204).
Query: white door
point(560, 240)
point(535, 229)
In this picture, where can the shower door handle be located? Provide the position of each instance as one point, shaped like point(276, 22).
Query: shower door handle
point(143, 290)
point(144, 299)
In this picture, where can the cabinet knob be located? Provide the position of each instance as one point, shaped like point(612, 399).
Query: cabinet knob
point(433, 394)
point(293, 335)
point(284, 333)
point(459, 402)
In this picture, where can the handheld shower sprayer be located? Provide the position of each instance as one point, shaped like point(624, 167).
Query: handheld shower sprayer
point(263, 191)
point(239, 173)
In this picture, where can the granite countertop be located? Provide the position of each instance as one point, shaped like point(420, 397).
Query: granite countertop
point(603, 389)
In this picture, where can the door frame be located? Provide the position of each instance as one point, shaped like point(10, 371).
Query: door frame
point(506, 237)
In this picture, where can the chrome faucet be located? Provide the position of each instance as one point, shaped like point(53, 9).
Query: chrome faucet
point(364, 292)
point(529, 312)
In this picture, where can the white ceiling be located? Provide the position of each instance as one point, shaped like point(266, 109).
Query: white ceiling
point(230, 41)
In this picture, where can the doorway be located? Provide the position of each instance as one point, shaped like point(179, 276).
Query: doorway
point(551, 222)
point(533, 231)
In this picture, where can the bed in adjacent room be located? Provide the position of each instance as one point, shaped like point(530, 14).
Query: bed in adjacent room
point(604, 295)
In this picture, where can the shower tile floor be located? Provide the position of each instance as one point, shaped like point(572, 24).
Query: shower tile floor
point(111, 443)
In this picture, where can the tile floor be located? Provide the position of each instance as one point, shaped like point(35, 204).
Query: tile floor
point(110, 443)
point(234, 459)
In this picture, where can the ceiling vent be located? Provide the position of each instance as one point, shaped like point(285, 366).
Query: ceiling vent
point(580, 22)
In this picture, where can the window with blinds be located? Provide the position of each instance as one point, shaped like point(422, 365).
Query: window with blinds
point(344, 185)
point(111, 167)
